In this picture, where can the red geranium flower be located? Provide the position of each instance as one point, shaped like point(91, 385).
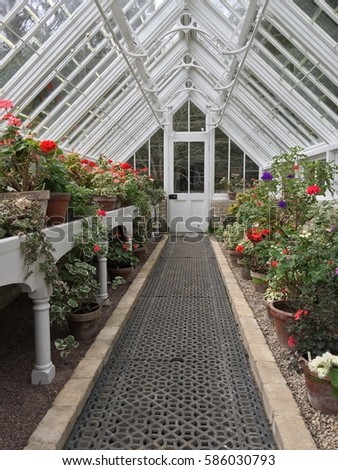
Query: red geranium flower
point(47, 145)
point(291, 342)
point(6, 104)
point(240, 248)
point(299, 313)
point(101, 212)
point(274, 263)
point(125, 166)
point(314, 189)
point(96, 248)
point(296, 167)
point(13, 121)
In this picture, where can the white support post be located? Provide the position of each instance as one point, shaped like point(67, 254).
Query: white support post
point(44, 369)
point(102, 274)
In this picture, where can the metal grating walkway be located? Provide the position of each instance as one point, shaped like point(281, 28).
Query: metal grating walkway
point(178, 377)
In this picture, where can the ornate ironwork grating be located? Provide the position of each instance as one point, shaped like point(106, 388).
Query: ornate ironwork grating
point(178, 377)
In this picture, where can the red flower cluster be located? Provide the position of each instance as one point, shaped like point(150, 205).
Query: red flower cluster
point(47, 145)
point(6, 104)
point(101, 213)
point(291, 342)
point(256, 235)
point(313, 190)
point(240, 248)
point(299, 313)
point(274, 263)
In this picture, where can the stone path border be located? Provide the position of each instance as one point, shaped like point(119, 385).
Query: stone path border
point(288, 427)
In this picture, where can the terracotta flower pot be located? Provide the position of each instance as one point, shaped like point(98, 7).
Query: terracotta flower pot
point(244, 270)
point(84, 324)
point(234, 255)
point(319, 391)
point(123, 272)
point(140, 252)
point(41, 197)
point(107, 203)
point(259, 282)
point(282, 312)
point(57, 208)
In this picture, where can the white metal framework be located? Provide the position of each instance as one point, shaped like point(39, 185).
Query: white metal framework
point(104, 75)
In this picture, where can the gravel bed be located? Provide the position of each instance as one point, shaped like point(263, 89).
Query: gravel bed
point(323, 428)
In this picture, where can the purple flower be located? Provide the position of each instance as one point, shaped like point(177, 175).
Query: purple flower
point(336, 271)
point(332, 228)
point(282, 204)
point(290, 176)
point(266, 176)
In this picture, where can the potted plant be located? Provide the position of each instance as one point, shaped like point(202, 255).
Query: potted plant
point(75, 299)
point(25, 217)
point(232, 236)
point(25, 162)
point(232, 185)
point(302, 266)
point(121, 258)
point(314, 336)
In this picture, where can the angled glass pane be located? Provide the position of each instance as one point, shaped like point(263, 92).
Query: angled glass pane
point(197, 118)
point(156, 167)
point(180, 119)
point(142, 156)
point(221, 158)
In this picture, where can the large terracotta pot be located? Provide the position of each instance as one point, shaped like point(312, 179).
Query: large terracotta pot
point(259, 281)
point(84, 324)
point(282, 312)
point(140, 252)
point(107, 203)
point(234, 255)
point(41, 197)
point(116, 271)
point(319, 391)
point(57, 208)
point(244, 270)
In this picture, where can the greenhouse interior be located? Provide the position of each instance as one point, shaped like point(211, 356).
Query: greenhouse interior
point(169, 225)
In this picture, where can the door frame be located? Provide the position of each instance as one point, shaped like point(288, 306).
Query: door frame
point(205, 196)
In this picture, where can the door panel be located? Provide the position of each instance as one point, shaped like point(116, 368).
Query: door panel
point(188, 212)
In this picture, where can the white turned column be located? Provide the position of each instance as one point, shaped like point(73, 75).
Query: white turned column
point(44, 369)
point(102, 273)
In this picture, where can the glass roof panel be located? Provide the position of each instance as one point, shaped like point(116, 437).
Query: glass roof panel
point(288, 62)
point(319, 17)
point(79, 76)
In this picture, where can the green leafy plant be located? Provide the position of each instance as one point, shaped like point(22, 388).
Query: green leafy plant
point(233, 235)
point(119, 252)
point(232, 184)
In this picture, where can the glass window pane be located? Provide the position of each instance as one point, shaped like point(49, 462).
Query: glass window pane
point(181, 167)
point(180, 119)
point(142, 156)
point(196, 167)
point(197, 119)
point(156, 157)
point(221, 158)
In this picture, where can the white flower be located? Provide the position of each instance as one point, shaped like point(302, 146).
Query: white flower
point(23, 203)
point(321, 365)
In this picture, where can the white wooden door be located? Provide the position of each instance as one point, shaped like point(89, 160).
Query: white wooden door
point(188, 175)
